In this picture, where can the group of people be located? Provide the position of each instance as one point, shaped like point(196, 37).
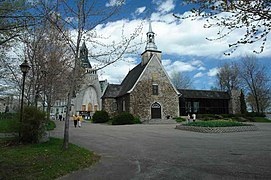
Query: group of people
point(193, 117)
point(77, 120)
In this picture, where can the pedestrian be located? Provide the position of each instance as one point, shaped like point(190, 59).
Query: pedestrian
point(194, 117)
point(74, 117)
point(80, 119)
point(60, 117)
point(188, 118)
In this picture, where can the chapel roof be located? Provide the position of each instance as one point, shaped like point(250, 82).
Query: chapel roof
point(204, 94)
point(112, 91)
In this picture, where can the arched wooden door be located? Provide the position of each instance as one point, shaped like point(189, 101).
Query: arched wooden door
point(156, 111)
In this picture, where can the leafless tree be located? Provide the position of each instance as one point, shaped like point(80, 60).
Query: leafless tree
point(256, 82)
point(228, 77)
point(231, 16)
point(181, 80)
point(81, 17)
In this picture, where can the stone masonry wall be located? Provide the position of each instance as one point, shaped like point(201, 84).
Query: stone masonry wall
point(141, 97)
point(109, 105)
point(235, 104)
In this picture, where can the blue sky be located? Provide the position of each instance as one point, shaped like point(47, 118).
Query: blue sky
point(182, 42)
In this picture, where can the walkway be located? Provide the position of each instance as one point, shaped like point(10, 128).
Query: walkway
point(162, 152)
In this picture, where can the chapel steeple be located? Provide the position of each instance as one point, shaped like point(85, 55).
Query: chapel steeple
point(150, 39)
point(150, 48)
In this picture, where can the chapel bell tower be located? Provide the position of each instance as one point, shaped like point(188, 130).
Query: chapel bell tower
point(150, 48)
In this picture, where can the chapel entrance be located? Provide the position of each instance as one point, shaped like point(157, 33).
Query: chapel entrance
point(156, 111)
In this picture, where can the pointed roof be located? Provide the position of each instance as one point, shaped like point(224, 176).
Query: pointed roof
point(84, 56)
point(150, 39)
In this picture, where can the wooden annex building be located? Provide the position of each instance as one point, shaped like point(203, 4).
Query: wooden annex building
point(203, 102)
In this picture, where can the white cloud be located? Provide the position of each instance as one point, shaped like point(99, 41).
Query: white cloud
point(115, 3)
point(164, 6)
point(116, 72)
point(213, 71)
point(140, 10)
point(198, 75)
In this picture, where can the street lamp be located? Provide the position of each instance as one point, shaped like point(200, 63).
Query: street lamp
point(24, 68)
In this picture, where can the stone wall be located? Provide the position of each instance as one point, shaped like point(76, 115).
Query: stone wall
point(235, 103)
point(109, 105)
point(141, 98)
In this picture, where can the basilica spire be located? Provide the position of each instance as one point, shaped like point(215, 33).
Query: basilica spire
point(84, 56)
point(150, 39)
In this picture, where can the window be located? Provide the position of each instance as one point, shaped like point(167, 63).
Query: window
point(155, 89)
point(83, 107)
point(123, 105)
point(196, 106)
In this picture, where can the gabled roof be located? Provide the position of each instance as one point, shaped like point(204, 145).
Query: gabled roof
point(203, 94)
point(131, 78)
point(112, 91)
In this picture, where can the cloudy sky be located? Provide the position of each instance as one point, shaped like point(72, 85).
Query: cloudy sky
point(182, 42)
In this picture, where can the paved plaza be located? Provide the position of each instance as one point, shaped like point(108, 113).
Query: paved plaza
point(162, 152)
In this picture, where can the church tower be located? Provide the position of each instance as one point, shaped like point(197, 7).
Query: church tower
point(150, 48)
point(88, 98)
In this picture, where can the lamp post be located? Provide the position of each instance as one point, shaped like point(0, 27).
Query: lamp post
point(24, 68)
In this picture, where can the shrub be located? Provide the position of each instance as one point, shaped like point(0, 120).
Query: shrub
point(100, 117)
point(254, 114)
point(137, 120)
point(215, 123)
point(33, 126)
point(179, 119)
point(123, 118)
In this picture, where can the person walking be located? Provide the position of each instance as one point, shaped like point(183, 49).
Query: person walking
point(74, 117)
point(80, 119)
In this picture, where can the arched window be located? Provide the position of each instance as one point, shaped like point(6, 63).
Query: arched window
point(95, 108)
point(83, 107)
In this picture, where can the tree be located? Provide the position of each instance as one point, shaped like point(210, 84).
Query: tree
point(81, 17)
point(232, 16)
point(181, 80)
point(14, 17)
point(257, 83)
point(228, 77)
point(243, 103)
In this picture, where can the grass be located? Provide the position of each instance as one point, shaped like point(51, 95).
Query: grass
point(42, 161)
point(261, 119)
point(9, 125)
point(179, 119)
point(215, 123)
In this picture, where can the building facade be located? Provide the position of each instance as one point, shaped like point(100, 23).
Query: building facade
point(146, 91)
point(88, 99)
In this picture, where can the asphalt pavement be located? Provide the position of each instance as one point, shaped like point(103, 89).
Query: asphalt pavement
point(157, 152)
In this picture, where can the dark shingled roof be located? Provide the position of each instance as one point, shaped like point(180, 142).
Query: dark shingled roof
point(131, 79)
point(112, 91)
point(204, 94)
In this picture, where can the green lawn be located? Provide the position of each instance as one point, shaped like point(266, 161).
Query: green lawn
point(8, 125)
point(215, 123)
point(42, 161)
point(262, 119)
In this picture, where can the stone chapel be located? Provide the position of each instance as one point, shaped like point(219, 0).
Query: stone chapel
point(146, 91)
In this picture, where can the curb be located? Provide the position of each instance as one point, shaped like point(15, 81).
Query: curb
point(217, 129)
